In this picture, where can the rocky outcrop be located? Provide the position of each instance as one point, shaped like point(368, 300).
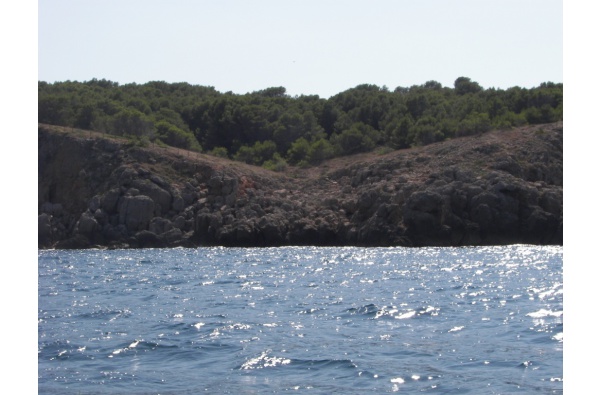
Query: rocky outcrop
point(502, 187)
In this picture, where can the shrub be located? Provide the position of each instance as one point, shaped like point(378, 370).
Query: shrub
point(359, 138)
point(319, 151)
point(276, 164)
point(298, 151)
point(259, 153)
point(220, 152)
point(473, 124)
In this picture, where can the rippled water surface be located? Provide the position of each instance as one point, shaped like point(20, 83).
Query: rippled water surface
point(308, 320)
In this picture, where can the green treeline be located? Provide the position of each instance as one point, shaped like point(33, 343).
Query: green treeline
point(272, 129)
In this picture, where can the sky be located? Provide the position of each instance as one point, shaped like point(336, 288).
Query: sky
point(320, 47)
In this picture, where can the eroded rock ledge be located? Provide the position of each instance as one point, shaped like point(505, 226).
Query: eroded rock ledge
point(502, 187)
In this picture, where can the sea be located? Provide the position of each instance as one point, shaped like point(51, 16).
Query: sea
point(306, 320)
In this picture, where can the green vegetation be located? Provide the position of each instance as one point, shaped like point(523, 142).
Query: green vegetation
point(272, 129)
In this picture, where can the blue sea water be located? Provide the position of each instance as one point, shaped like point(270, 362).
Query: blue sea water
point(485, 320)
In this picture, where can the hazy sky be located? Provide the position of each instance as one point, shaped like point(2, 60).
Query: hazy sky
point(310, 47)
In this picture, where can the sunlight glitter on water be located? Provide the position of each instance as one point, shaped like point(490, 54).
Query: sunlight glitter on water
point(264, 361)
point(337, 320)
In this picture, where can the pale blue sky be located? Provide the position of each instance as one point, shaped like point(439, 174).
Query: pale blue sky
point(310, 47)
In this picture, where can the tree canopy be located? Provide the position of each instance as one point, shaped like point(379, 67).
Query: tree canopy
point(271, 128)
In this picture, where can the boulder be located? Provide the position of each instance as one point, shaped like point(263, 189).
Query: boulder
point(174, 236)
point(160, 225)
point(136, 212)
point(179, 222)
point(160, 196)
point(76, 242)
point(109, 200)
point(147, 239)
point(273, 229)
point(178, 204)
point(53, 209)
point(127, 176)
point(87, 225)
point(44, 230)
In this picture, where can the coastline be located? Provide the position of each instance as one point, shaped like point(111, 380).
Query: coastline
point(498, 188)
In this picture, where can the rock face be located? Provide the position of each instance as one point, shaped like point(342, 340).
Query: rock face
point(501, 187)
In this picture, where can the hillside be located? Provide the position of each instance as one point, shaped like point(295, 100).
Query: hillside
point(500, 187)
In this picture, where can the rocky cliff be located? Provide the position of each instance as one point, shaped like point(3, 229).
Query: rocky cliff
point(501, 187)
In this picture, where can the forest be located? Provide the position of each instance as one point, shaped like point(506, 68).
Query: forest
point(272, 129)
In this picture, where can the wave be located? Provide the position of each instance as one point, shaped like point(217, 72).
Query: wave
point(372, 311)
point(266, 360)
point(60, 350)
point(369, 310)
point(141, 346)
point(105, 314)
point(310, 310)
point(545, 313)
